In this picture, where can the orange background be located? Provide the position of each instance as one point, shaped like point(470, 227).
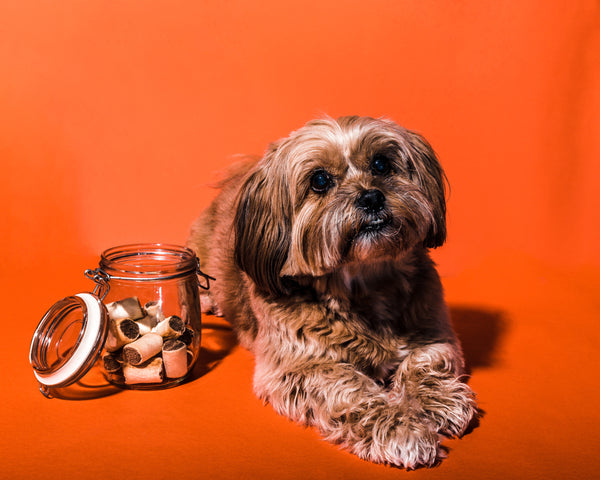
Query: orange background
point(114, 117)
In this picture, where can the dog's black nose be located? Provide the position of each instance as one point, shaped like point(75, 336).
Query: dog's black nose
point(372, 201)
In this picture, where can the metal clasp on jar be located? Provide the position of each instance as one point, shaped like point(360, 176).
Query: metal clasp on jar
point(206, 277)
point(101, 278)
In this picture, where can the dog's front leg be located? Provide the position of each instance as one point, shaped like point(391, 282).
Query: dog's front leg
point(429, 381)
point(349, 408)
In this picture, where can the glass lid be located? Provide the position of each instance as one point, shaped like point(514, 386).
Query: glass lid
point(68, 340)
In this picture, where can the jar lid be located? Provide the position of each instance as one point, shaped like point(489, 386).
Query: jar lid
point(68, 340)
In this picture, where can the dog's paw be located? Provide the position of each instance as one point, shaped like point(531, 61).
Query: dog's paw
point(452, 408)
point(391, 435)
point(409, 445)
point(209, 306)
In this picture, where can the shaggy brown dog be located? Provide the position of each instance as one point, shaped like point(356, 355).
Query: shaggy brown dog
point(320, 254)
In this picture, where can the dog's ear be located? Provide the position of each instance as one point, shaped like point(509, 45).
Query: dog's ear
point(432, 180)
point(262, 229)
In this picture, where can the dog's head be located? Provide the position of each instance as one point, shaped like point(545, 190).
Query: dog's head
point(338, 191)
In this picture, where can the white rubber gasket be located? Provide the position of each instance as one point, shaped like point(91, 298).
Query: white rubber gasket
point(88, 342)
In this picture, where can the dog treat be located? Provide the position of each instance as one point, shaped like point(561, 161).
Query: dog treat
point(174, 354)
point(187, 336)
point(172, 326)
point(121, 332)
point(126, 308)
point(111, 344)
point(145, 346)
point(151, 372)
point(111, 363)
point(126, 330)
point(143, 326)
point(142, 349)
point(154, 313)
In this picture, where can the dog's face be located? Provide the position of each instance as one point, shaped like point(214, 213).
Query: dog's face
point(338, 191)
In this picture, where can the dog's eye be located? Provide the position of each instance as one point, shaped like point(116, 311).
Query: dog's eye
point(320, 181)
point(380, 165)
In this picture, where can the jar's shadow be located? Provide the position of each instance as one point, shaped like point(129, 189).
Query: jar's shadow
point(92, 385)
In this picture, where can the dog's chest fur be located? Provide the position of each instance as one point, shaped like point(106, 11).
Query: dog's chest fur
point(363, 315)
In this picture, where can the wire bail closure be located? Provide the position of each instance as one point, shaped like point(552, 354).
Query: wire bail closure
point(206, 277)
point(101, 278)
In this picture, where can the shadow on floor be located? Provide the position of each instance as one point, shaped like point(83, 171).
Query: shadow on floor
point(480, 331)
point(218, 340)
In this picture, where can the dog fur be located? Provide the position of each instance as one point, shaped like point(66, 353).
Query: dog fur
point(320, 254)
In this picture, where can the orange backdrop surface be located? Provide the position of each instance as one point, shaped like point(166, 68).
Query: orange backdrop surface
point(115, 116)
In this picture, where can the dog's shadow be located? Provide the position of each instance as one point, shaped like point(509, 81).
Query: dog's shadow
point(218, 340)
point(480, 331)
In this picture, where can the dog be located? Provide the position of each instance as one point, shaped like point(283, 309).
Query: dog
point(320, 254)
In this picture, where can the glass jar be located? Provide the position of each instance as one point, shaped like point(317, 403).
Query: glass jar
point(139, 329)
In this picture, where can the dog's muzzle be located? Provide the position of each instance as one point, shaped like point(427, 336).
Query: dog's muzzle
point(372, 204)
